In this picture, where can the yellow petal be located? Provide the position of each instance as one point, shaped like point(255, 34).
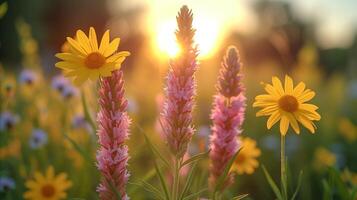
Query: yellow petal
point(39, 177)
point(50, 173)
point(84, 41)
point(31, 184)
point(69, 57)
point(293, 123)
point(67, 65)
point(117, 56)
point(307, 95)
point(266, 98)
point(263, 104)
point(305, 122)
point(289, 86)
point(112, 47)
point(311, 115)
point(273, 119)
point(80, 79)
point(104, 42)
point(299, 89)
point(267, 111)
point(76, 46)
point(93, 39)
point(284, 125)
point(278, 86)
point(271, 90)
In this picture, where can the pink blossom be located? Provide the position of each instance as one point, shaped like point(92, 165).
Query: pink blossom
point(227, 116)
point(112, 156)
point(180, 90)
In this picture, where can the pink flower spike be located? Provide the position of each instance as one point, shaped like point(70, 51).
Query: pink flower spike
point(181, 88)
point(113, 120)
point(227, 116)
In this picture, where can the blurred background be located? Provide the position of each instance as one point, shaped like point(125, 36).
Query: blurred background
point(313, 41)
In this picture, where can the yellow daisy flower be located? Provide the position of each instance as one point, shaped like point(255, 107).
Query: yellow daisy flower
point(324, 158)
point(246, 160)
point(288, 105)
point(86, 59)
point(48, 186)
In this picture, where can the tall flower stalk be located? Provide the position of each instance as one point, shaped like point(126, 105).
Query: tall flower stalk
point(288, 105)
point(227, 116)
point(180, 93)
point(112, 156)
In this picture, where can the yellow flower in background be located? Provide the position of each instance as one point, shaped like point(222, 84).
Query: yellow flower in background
point(11, 150)
point(324, 158)
point(288, 105)
point(348, 130)
point(349, 176)
point(48, 186)
point(246, 160)
point(86, 59)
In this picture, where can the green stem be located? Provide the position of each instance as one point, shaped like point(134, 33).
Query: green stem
point(176, 181)
point(86, 112)
point(283, 168)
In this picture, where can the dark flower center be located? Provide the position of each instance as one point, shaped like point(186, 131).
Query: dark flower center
point(48, 190)
point(288, 103)
point(94, 60)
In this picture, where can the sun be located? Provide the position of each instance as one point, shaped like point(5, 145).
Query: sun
point(206, 37)
point(165, 38)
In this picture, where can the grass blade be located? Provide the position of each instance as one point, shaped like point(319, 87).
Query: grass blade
point(189, 180)
point(150, 188)
point(298, 186)
point(222, 178)
point(195, 158)
point(153, 148)
point(194, 195)
point(242, 196)
point(272, 184)
point(162, 180)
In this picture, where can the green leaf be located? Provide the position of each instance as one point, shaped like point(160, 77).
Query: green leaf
point(327, 190)
point(338, 182)
point(147, 177)
point(150, 188)
point(79, 149)
point(272, 184)
point(162, 180)
point(354, 194)
point(189, 179)
point(298, 186)
point(242, 196)
point(222, 178)
point(195, 195)
point(153, 148)
point(196, 157)
point(157, 168)
point(3, 9)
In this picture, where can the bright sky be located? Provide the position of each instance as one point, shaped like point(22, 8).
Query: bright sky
point(211, 20)
point(336, 20)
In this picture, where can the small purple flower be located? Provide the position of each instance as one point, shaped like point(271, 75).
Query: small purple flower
point(7, 121)
point(64, 87)
point(69, 91)
point(38, 139)
point(59, 83)
point(27, 77)
point(79, 121)
point(6, 184)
